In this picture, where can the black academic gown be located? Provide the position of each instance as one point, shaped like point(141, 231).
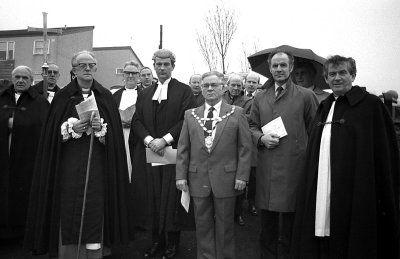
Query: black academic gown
point(16, 167)
point(364, 217)
point(156, 198)
point(60, 172)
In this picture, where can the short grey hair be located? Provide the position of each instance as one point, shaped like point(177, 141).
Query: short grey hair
point(164, 53)
point(75, 56)
point(219, 75)
point(23, 67)
point(235, 76)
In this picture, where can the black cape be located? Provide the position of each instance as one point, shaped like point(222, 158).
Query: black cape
point(42, 231)
point(16, 168)
point(39, 87)
point(364, 217)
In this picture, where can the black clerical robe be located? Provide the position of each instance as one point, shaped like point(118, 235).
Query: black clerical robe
point(59, 178)
point(17, 158)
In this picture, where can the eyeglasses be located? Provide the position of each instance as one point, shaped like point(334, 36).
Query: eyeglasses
point(212, 85)
point(85, 65)
point(52, 72)
point(131, 73)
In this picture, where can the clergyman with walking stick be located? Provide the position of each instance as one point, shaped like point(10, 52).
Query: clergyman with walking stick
point(78, 202)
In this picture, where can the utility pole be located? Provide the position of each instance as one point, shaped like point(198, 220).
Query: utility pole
point(161, 32)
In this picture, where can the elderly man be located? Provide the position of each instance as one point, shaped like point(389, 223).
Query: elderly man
point(251, 84)
point(194, 83)
point(157, 124)
point(280, 157)
point(213, 163)
point(62, 172)
point(146, 78)
point(52, 78)
point(22, 115)
point(348, 204)
point(304, 75)
point(235, 96)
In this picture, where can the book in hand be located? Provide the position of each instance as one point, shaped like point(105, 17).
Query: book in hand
point(275, 126)
point(86, 107)
point(169, 156)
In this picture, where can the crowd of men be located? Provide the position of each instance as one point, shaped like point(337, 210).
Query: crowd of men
point(321, 170)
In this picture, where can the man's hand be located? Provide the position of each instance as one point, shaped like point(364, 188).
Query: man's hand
point(96, 124)
point(270, 140)
point(157, 145)
point(80, 127)
point(240, 185)
point(182, 185)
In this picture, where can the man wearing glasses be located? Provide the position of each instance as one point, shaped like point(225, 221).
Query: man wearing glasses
point(213, 164)
point(52, 78)
point(57, 195)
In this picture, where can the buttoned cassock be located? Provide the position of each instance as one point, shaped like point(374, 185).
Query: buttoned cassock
point(280, 169)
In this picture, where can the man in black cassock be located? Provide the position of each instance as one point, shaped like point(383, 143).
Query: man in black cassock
point(53, 74)
point(59, 179)
point(157, 124)
point(22, 114)
point(348, 205)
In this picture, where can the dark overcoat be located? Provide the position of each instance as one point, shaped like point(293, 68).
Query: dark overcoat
point(364, 200)
point(155, 193)
point(279, 170)
point(44, 215)
point(16, 165)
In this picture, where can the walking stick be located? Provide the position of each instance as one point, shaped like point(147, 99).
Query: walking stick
point(86, 184)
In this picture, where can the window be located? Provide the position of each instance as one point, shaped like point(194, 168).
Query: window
point(38, 46)
point(7, 50)
point(119, 71)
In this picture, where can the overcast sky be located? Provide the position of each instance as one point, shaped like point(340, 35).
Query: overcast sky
point(367, 30)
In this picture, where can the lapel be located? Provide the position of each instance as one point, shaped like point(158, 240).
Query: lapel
point(200, 131)
point(148, 107)
point(225, 108)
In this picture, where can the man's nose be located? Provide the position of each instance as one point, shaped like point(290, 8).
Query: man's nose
point(337, 77)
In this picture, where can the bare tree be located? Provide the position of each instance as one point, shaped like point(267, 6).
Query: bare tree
point(246, 53)
point(207, 49)
point(221, 26)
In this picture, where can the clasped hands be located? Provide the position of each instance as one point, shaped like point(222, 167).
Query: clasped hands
point(182, 185)
point(157, 145)
point(82, 126)
point(270, 140)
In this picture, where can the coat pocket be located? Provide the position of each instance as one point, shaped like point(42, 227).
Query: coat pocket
point(230, 168)
point(192, 169)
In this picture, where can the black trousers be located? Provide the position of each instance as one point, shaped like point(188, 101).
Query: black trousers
point(251, 188)
point(276, 234)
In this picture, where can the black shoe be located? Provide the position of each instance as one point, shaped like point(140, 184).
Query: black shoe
point(239, 220)
point(253, 210)
point(153, 250)
point(170, 252)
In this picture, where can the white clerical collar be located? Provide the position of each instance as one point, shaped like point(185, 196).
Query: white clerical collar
point(283, 86)
point(130, 89)
point(161, 92)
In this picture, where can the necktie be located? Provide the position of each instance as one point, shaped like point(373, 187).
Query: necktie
point(278, 91)
point(208, 123)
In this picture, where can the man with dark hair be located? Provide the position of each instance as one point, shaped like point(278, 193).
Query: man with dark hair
point(280, 157)
point(304, 74)
point(68, 143)
point(157, 124)
point(214, 166)
point(22, 115)
point(146, 77)
point(348, 205)
point(53, 74)
point(194, 83)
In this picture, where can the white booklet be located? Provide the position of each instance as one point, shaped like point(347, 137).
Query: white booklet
point(185, 200)
point(168, 158)
point(275, 126)
point(86, 107)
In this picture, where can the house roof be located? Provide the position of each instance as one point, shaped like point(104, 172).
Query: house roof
point(25, 32)
point(119, 48)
